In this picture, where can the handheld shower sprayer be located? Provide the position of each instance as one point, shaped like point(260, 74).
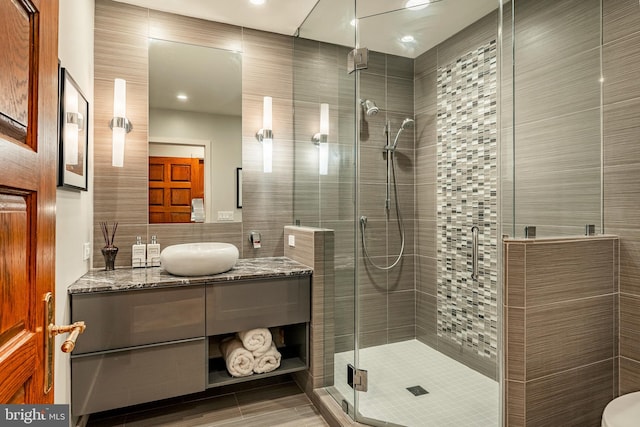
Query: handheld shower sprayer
point(407, 123)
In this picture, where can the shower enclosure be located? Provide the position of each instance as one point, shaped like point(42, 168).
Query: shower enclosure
point(411, 192)
point(430, 161)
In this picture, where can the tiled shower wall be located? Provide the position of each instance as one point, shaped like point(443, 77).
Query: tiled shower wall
point(386, 298)
point(443, 307)
point(122, 35)
point(560, 117)
point(467, 200)
point(621, 97)
point(320, 75)
point(561, 347)
point(557, 117)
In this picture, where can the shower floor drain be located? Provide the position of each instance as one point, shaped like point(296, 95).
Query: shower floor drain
point(416, 390)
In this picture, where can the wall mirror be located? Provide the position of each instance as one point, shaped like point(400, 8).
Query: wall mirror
point(195, 133)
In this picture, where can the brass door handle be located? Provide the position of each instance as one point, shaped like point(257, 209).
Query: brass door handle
point(52, 330)
point(75, 329)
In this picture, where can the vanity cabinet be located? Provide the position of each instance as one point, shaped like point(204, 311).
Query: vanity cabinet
point(139, 346)
point(281, 304)
point(149, 343)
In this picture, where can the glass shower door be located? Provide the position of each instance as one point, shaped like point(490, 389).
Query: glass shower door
point(427, 276)
point(325, 197)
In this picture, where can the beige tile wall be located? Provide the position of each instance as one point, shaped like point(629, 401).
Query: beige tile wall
point(560, 337)
point(621, 71)
point(120, 194)
point(557, 117)
point(387, 298)
point(328, 201)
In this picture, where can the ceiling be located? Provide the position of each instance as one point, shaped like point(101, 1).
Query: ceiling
point(381, 22)
point(381, 25)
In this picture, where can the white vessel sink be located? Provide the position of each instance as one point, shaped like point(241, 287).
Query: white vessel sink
point(199, 259)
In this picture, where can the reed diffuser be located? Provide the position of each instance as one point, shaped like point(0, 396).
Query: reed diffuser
point(109, 251)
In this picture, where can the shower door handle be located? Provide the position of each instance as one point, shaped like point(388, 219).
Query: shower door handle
point(474, 252)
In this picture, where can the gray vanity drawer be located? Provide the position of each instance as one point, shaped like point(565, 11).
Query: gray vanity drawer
point(117, 379)
point(125, 319)
point(239, 305)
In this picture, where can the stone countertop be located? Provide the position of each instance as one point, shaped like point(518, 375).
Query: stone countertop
point(123, 279)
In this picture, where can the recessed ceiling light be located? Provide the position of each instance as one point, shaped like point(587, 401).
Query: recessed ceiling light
point(257, 2)
point(407, 39)
point(416, 4)
point(182, 97)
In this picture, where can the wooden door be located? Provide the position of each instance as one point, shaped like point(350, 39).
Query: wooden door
point(173, 183)
point(28, 145)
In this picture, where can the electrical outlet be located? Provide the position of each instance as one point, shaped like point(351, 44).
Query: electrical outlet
point(86, 251)
point(292, 240)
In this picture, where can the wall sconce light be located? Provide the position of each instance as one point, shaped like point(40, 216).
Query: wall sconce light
point(265, 135)
point(321, 140)
point(120, 125)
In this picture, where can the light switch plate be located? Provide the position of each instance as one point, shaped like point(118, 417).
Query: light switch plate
point(225, 215)
point(292, 240)
point(86, 251)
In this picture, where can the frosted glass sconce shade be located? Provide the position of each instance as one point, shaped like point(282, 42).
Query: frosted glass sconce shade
point(321, 140)
point(265, 135)
point(120, 125)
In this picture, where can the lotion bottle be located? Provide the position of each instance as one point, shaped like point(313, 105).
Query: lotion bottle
point(138, 254)
point(153, 253)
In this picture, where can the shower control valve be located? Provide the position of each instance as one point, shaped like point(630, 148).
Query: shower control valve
point(255, 239)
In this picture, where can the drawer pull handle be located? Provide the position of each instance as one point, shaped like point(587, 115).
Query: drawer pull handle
point(75, 329)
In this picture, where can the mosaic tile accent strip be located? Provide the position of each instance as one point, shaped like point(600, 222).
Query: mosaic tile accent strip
point(467, 197)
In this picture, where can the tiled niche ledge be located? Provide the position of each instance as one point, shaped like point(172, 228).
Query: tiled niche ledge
point(314, 247)
point(560, 322)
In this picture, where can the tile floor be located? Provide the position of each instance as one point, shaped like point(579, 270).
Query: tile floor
point(276, 403)
point(458, 396)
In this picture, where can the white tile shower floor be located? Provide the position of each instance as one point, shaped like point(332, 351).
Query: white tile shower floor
point(458, 396)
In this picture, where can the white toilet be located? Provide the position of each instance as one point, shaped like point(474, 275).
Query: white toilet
point(623, 411)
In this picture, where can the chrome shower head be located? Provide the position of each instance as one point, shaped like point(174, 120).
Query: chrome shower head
point(370, 107)
point(407, 123)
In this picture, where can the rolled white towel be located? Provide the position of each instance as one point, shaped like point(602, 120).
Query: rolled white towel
point(268, 361)
point(257, 341)
point(239, 360)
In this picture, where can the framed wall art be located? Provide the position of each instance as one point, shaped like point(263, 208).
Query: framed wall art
point(73, 135)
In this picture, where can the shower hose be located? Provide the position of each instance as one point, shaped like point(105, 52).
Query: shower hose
point(363, 223)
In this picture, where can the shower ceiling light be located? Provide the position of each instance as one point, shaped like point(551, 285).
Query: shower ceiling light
point(182, 97)
point(257, 2)
point(416, 4)
point(407, 39)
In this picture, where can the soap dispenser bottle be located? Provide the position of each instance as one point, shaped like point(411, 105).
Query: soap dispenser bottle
point(138, 253)
point(153, 253)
